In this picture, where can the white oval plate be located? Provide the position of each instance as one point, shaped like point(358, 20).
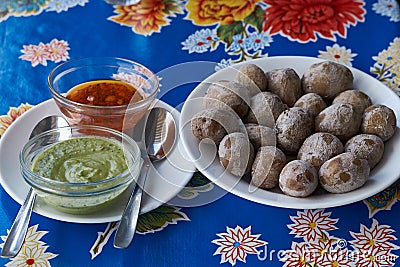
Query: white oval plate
point(382, 176)
point(165, 179)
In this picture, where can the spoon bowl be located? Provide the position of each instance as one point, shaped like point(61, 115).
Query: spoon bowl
point(18, 230)
point(159, 138)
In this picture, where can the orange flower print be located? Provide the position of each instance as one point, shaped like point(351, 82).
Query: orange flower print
point(13, 114)
point(147, 16)
point(303, 20)
point(208, 12)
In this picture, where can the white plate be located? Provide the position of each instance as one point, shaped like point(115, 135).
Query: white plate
point(381, 176)
point(165, 179)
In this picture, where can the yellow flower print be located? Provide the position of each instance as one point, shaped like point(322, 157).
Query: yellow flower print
point(146, 17)
point(13, 114)
point(208, 12)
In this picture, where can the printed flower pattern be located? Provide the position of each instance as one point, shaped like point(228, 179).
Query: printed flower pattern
point(383, 200)
point(201, 41)
point(376, 236)
point(33, 251)
point(150, 222)
point(12, 115)
point(36, 256)
point(374, 245)
point(298, 256)
point(147, 17)
point(387, 66)
point(303, 20)
point(238, 27)
point(209, 12)
point(63, 5)
point(389, 8)
point(236, 243)
point(35, 7)
point(21, 8)
point(55, 51)
point(311, 224)
point(223, 64)
point(198, 184)
point(339, 54)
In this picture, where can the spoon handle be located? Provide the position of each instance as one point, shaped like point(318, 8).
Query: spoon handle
point(18, 230)
point(127, 225)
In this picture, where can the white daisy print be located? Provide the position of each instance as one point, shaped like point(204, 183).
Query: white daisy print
point(389, 8)
point(339, 54)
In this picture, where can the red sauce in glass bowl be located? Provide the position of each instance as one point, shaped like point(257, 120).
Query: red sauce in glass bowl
point(104, 93)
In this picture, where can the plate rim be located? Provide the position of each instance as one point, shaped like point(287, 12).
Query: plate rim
point(48, 107)
point(312, 202)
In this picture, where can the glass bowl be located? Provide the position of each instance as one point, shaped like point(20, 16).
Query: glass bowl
point(79, 197)
point(70, 74)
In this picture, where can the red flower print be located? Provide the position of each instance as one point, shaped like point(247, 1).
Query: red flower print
point(311, 223)
point(236, 243)
point(375, 257)
point(337, 258)
point(324, 253)
point(319, 250)
point(301, 20)
point(377, 236)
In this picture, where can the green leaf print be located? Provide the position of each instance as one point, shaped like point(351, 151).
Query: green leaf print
point(256, 18)
point(226, 32)
point(159, 218)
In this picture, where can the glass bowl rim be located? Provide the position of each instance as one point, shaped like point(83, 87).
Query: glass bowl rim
point(61, 98)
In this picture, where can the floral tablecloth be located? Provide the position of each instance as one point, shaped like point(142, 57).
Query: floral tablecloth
point(36, 35)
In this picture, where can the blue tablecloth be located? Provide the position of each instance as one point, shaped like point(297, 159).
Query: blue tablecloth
point(37, 35)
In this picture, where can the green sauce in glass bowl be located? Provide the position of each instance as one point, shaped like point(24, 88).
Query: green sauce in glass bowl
point(80, 169)
point(81, 160)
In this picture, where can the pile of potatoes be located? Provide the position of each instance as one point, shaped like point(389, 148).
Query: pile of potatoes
point(295, 132)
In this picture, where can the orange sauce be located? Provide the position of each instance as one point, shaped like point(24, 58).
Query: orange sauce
point(104, 93)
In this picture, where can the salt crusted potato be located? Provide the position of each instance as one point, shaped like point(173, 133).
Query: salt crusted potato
point(267, 166)
point(285, 83)
point(327, 79)
point(298, 179)
point(252, 77)
point(339, 119)
point(214, 124)
point(379, 120)
point(343, 173)
point(359, 100)
point(320, 147)
point(293, 126)
point(260, 135)
point(312, 102)
point(227, 93)
point(236, 153)
point(366, 146)
point(265, 107)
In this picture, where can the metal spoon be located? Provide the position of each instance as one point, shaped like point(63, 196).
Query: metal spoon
point(18, 230)
point(159, 136)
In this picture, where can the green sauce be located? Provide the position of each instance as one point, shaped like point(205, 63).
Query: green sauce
point(81, 160)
